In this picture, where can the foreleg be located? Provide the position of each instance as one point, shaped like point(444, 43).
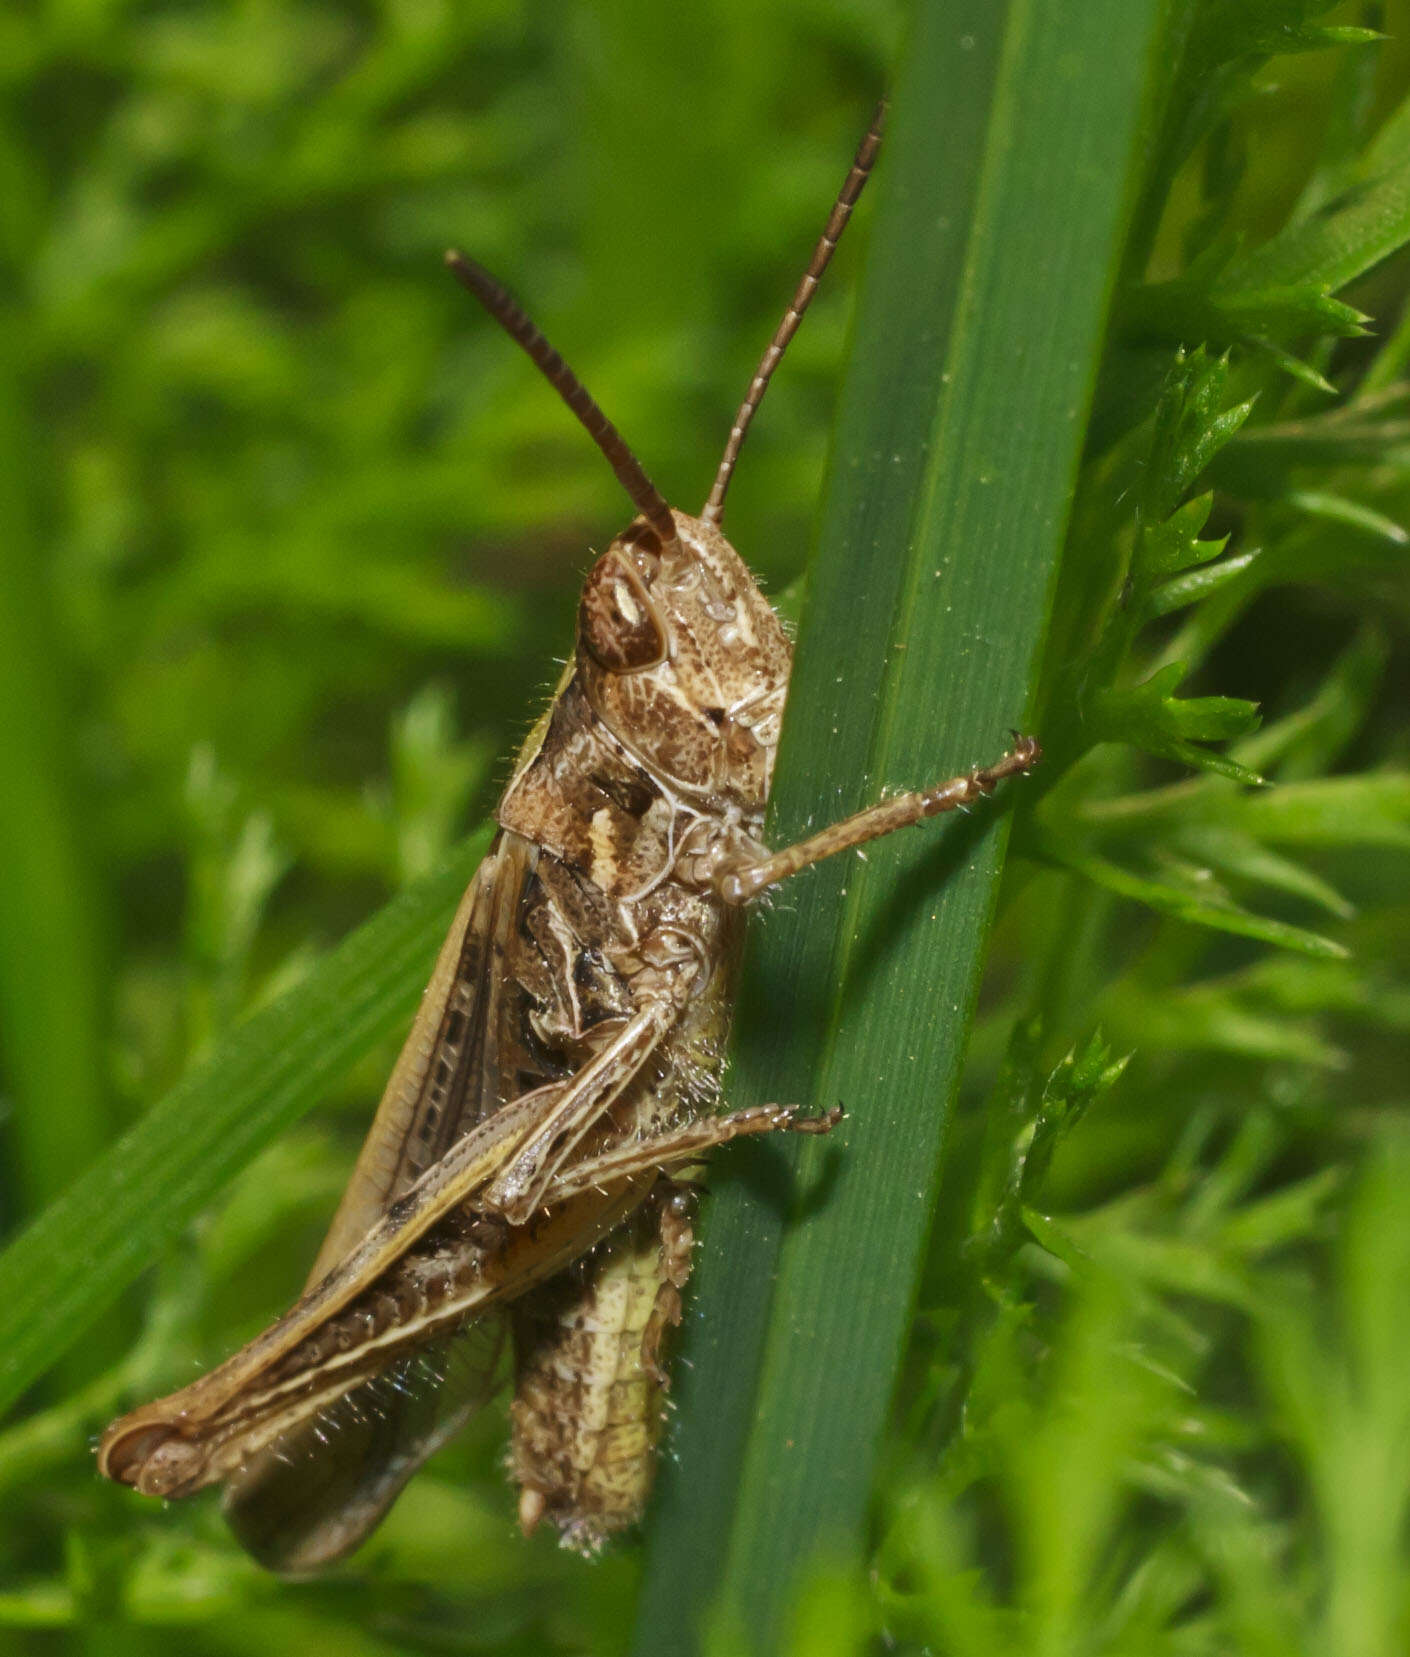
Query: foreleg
point(739, 879)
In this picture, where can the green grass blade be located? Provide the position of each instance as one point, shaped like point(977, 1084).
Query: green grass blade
point(118, 1216)
point(1000, 208)
point(1333, 247)
point(53, 916)
point(50, 928)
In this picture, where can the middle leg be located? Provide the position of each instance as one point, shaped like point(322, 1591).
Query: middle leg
point(683, 1144)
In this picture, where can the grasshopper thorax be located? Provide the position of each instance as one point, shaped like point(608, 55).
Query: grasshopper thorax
point(684, 660)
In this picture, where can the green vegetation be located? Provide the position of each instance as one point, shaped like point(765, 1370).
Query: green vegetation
point(1087, 1332)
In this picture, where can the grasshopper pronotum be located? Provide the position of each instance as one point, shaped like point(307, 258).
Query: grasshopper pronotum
point(533, 1148)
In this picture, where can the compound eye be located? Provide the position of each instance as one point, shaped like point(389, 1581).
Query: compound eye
point(618, 625)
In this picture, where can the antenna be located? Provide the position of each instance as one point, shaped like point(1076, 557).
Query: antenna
point(507, 312)
point(714, 508)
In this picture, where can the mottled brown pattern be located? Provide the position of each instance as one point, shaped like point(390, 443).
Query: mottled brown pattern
point(562, 1076)
point(576, 1020)
point(587, 1410)
point(703, 721)
point(569, 800)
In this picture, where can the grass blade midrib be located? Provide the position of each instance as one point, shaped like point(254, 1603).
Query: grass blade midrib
point(958, 654)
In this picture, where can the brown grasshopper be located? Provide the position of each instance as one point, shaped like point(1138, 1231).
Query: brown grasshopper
point(533, 1150)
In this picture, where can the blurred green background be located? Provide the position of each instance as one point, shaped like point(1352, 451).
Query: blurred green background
point(294, 519)
point(291, 537)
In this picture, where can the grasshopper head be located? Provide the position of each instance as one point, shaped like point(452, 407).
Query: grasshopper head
point(678, 650)
point(684, 659)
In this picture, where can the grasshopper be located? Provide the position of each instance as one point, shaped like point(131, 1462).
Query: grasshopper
point(530, 1165)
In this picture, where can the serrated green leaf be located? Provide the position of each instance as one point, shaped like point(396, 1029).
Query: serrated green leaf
point(1371, 810)
point(1303, 372)
point(1219, 1018)
point(1207, 759)
point(1172, 1263)
point(1333, 247)
point(1194, 585)
point(1184, 905)
point(1337, 509)
point(1302, 986)
point(1191, 426)
point(1174, 545)
point(1296, 1212)
point(1074, 1085)
point(1343, 34)
point(1249, 859)
point(1149, 717)
point(1209, 718)
point(1184, 312)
